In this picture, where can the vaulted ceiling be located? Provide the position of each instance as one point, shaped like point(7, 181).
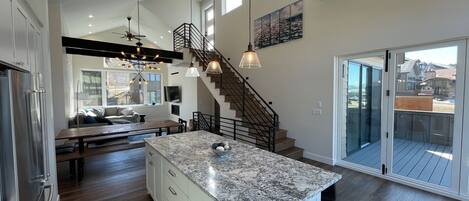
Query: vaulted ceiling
point(158, 17)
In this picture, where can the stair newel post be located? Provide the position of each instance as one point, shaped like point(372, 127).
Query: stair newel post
point(210, 124)
point(244, 97)
point(270, 142)
point(234, 129)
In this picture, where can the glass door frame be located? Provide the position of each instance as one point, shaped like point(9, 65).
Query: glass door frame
point(464, 184)
point(458, 120)
point(342, 66)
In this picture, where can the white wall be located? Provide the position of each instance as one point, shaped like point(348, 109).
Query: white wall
point(299, 74)
point(205, 100)
point(188, 86)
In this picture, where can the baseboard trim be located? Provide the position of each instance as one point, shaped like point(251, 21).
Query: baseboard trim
point(319, 158)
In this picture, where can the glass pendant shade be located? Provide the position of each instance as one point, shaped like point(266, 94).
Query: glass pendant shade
point(192, 71)
point(214, 68)
point(250, 60)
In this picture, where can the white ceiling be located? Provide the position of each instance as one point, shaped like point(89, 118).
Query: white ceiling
point(157, 17)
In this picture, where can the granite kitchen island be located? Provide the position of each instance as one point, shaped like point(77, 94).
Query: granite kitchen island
point(184, 167)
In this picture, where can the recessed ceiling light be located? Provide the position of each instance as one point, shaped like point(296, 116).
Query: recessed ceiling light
point(169, 31)
point(161, 37)
point(90, 25)
point(90, 16)
point(90, 32)
point(154, 42)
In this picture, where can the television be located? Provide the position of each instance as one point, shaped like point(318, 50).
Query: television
point(172, 94)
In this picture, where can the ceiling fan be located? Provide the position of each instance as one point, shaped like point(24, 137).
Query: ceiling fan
point(129, 35)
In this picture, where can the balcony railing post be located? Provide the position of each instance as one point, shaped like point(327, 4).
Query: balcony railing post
point(190, 36)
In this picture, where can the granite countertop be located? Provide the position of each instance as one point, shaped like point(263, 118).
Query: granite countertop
point(247, 173)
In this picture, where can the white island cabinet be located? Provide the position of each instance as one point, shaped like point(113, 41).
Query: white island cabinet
point(184, 167)
point(166, 183)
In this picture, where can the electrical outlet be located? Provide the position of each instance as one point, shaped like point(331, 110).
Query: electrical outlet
point(317, 111)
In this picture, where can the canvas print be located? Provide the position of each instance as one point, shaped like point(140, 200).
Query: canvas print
point(257, 32)
point(279, 26)
point(284, 24)
point(296, 20)
point(265, 36)
point(274, 28)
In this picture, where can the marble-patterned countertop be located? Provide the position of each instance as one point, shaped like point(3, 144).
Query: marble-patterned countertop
point(247, 173)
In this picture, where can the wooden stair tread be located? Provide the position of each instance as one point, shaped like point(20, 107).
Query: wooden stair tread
point(294, 153)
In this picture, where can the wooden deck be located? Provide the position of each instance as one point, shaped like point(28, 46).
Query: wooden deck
point(422, 161)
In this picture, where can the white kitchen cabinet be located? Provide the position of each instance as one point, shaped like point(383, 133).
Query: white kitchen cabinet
point(166, 183)
point(6, 32)
point(150, 172)
point(20, 28)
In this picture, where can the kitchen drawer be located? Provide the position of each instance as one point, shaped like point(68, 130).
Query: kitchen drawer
point(172, 173)
point(172, 192)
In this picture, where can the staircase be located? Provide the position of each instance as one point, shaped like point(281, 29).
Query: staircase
point(252, 111)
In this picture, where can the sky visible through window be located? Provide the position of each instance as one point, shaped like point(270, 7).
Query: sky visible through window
point(446, 55)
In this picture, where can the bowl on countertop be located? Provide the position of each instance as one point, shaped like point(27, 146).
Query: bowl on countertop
point(221, 148)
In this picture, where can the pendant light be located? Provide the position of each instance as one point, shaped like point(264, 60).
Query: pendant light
point(192, 71)
point(250, 59)
point(213, 66)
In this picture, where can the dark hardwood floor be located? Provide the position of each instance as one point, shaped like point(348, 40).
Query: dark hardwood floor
point(121, 176)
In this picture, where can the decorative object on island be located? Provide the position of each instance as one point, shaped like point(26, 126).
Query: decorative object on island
point(280, 26)
point(250, 59)
point(192, 71)
point(221, 149)
point(213, 66)
point(137, 60)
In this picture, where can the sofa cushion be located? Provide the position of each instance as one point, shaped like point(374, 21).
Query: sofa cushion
point(111, 111)
point(125, 111)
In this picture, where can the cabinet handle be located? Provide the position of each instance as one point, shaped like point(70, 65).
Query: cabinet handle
point(172, 191)
point(172, 173)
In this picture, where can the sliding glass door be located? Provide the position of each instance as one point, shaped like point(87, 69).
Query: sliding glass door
point(426, 102)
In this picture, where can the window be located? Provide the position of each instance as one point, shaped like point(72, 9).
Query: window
point(229, 5)
point(92, 88)
point(154, 89)
point(118, 89)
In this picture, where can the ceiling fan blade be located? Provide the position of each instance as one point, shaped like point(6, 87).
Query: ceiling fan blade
point(141, 36)
point(117, 33)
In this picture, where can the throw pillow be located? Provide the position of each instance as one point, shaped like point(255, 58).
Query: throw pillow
point(110, 111)
point(90, 120)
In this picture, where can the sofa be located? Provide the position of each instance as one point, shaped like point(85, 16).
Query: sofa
point(104, 116)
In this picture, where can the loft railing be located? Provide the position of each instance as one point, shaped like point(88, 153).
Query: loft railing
point(235, 129)
point(252, 106)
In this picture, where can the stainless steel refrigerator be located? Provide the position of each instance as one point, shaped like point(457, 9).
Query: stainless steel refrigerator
point(24, 169)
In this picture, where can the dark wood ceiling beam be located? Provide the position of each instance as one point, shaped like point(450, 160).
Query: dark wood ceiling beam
point(96, 53)
point(77, 43)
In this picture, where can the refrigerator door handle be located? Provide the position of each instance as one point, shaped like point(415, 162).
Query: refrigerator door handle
point(51, 188)
point(45, 139)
